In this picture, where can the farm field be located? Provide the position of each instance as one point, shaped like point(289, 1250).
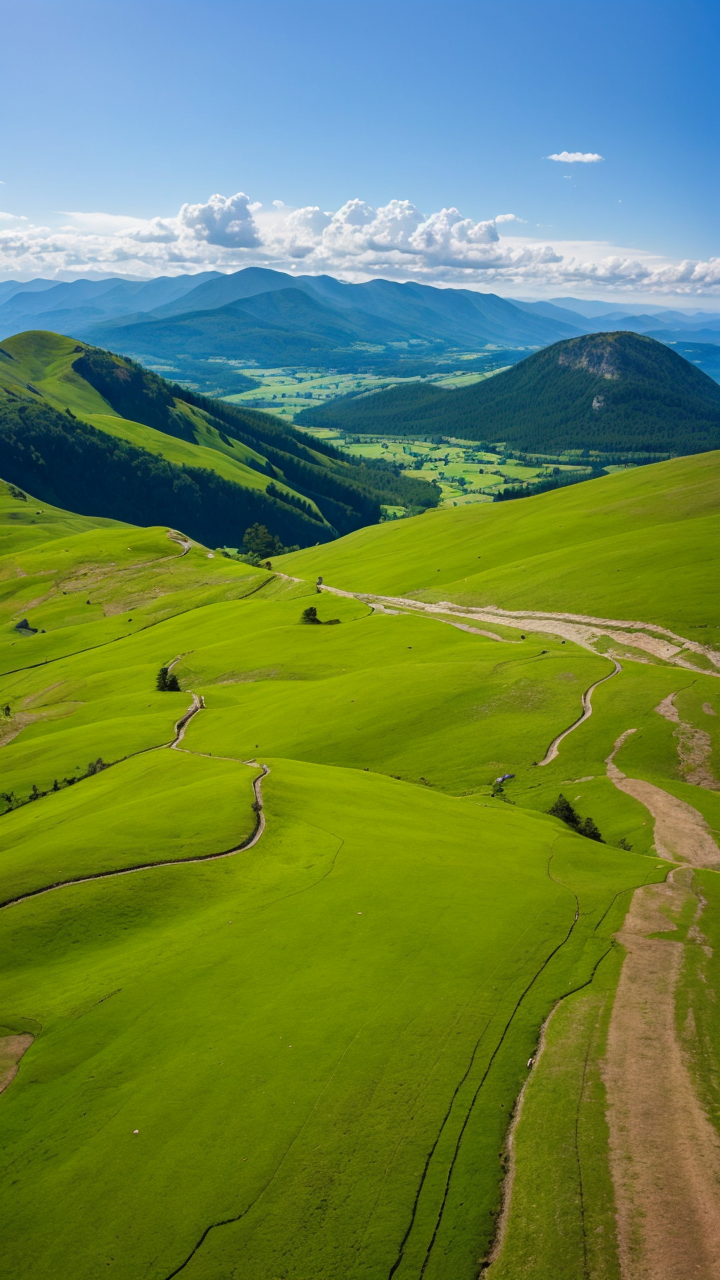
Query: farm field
point(289, 1040)
point(465, 473)
point(288, 391)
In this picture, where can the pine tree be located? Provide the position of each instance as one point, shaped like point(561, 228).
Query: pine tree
point(563, 809)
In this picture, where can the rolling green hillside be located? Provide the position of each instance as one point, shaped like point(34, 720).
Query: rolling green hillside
point(609, 391)
point(99, 433)
point(282, 1031)
point(640, 543)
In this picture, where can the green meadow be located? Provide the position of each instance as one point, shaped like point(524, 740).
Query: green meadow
point(301, 1059)
point(637, 545)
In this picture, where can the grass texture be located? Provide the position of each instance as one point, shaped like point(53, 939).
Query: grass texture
point(301, 1060)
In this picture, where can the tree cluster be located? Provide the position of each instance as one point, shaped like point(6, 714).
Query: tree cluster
point(167, 681)
point(563, 809)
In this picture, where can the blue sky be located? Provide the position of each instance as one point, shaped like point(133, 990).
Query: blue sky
point(135, 110)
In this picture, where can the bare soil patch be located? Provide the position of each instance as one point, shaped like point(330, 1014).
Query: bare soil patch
point(681, 832)
point(664, 1152)
point(12, 1049)
point(579, 628)
point(694, 747)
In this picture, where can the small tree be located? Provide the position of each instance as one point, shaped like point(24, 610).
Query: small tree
point(589, 829)
point(162, 679)
point(172, 684)
point(259, 541)
point(309, 615)
point(563, 810)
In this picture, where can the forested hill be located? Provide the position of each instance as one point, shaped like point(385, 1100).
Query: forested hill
point(605, 391)
point(85, 429)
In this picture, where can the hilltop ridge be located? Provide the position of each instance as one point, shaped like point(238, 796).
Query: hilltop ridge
point(607, 391)
point(95, 432)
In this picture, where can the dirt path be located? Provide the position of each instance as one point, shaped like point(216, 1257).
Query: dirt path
point(12, 1049)
point(552, 750)
point(664, 1152)
point(198, 704)
point(169, 862)
point(581, 629)
point(681, 833)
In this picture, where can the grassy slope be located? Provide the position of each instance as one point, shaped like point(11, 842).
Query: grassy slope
point(380, 926)
point(133, 578)
point(637, 544)
point(46, 360)
point(359, 977)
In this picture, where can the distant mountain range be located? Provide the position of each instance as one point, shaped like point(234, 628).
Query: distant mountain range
point(613, 392)
point(273, 318)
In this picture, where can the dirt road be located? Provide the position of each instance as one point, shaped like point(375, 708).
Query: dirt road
point(664, 1152)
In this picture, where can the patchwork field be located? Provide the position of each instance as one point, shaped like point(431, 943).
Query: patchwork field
point(288, 1037)
point(464, 473)
point(289, 391)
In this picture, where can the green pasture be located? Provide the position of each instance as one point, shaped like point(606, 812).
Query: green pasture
point(464, 709)
point(320, 1040)
point(639, 544)
point(698, 1010)
point(291, 1031)
point(561, 1223)
point(159, 805)
point(466, 474)
point(628, 701)
point(82, 582)
point(287, 391)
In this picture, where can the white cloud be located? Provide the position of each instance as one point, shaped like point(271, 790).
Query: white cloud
point(356, 242)
point(576, 157)
point(226, 221)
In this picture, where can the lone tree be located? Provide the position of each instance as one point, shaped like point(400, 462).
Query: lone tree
point(310, 615)
point(563, 809)
point(259, 541)
point(166, 681)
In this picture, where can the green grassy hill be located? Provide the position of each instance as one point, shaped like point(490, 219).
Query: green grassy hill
point(301, 1058)
point(90, 430)
point(613, 392)
point(636, 544)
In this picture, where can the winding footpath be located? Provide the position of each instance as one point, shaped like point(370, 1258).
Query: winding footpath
point(552, 751)
point(664, 1153)
point(197, 705)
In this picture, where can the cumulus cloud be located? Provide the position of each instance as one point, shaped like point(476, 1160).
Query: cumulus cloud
point(576, 157)
point(396, 240)
point(226, 221)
